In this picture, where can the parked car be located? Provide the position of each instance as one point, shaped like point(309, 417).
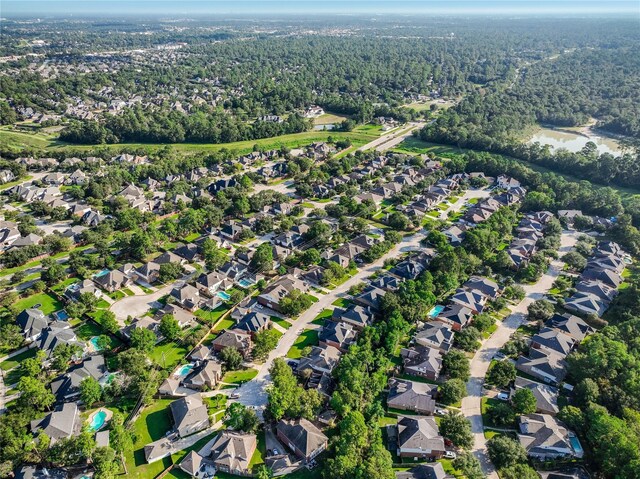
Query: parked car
point(441, 412)
point(503, 396)
point(450, 455)
point(234, 396)
point(499, 356)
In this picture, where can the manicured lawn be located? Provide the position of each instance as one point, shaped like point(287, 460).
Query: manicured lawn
point(212, 316)
point(261, 451)
point(240, 376)
point(88, 330)
point(486, 404)
point(17, 359)
point(152, 425)
point(102, 304)
point(283, 323)
point(168, 354)
point(322, 317)
point(62, 286)
point(308, 337)
point(128, 292)
point(48, 303)
point(192, 237)
point(116, 295)
point(341, 302)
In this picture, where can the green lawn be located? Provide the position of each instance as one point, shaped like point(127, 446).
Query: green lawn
point(17, 359)
point(63, 285)
point(212, 316)
point(168, 354)
point(341, 302)
point(283, 323)
point(116, 295)
point(48, 303)
point(261, 451)
point(322, 317)
point(192, 237)
point(152, 425)
point(308, 337)
point(128, 292)
point(240, 376)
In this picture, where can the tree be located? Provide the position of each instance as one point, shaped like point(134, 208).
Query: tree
point(468, 339)
point(398, 221)
point(33, 367)
point(505, 452)
point(119, 437)
point(108, 322)
point(540, 310)
point(524, 402)
point(469, 465)
point(105, 463)
point(34, 393)
point(143, 339)
point(169, 272)
point(10, 336)
point(264, 473)
point(456, 365)
point(295, 303)
point(214, 257)
point(231, 358)
point(452, 391)
point(169, 327)
point(241, 418)
point(63, 353)
point(519, 471)
point(265, 342)
point(52, 272)
point(502, 414)
point(575, 260)
point(90, 391)
point(263, 257)
point(501, 374)
point(457, 429)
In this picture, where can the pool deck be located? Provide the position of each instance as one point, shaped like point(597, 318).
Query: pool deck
point(107, 418)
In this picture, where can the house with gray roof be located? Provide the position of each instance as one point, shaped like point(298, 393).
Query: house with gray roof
point(204, 376)
point(322, 359)
point(570, 325)
point(239, 340)
point(304, 439)
point(545, 437)
point(412, 396)
point(253, 322)
point(543, 364)
point(32, 322)
point(67, 386)
point(456, 315)
point(472, 299)
point(419, 438)
point(62, 423)
point(553, 340)
point(112, 281)
point(422, 362)
point(425, 471)
point(546, 396)
point(355, 315)
point(435, 334)
point(189, 414)
point(55, 335)
point(585, 303)
point(231, 452)
point(339, 335)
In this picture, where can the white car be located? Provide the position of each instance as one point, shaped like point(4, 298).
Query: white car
point(503, 396)
point(441, 412)
point(450, 455)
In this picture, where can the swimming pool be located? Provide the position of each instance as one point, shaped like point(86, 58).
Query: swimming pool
point(245, 283)
point(184, 370)
point(101, 273)
point(61, 315)
point(94, 343)
point(436, 310)
point(223, 295)
point(577, 447)
point(98, 420)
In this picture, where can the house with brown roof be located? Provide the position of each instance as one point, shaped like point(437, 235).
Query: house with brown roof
point(304, 439)
point(231, 452)
point(419, 438)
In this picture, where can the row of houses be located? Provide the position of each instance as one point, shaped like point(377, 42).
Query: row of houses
point(528, 232)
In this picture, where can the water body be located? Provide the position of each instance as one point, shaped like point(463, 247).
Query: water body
point(574, 141)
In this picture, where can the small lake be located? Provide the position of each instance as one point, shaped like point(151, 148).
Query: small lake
point(574, 141)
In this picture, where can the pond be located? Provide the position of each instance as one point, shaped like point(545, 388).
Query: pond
point(574, 141)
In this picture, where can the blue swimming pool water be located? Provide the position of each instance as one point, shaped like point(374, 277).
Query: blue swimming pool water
point(245, 283)
point(101, 273)
point(575, 443)
point(61, 315)
point(94, 343)
point(223, 295)
point(97, 421)
point(184, 370)
point(436, 310)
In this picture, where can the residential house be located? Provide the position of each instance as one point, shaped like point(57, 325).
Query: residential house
point(370, 298)
point(473, 300)
point(456, 315)
point(233, 339)
point(322, 359)
point(544, 364)
point(422, 362)
point(337, 334)
point(412, 396)
point(546, 396)
point(585, 303)
point(357, 316)
point(436, 335)
point(181, 315)
point(273, 294)
point(544, 437)
point(32, 323)
point(112, 280)
point(231, 452)
point(302, 437)
point(67, 386)
point(189, 414)
point(55, 335)
point(570, 325)
point(148, 272)
point(485, 286)
point(62, 423)
point(253, 322)
point(205, 376)
point(187, 296)
point(419, 438)
point(553, 340)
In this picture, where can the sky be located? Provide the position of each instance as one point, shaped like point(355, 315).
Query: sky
point(42, 8)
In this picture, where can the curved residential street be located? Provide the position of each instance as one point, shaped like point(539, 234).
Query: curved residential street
point(471, 405)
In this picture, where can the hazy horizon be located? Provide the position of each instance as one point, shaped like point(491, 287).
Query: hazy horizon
point(116, 8)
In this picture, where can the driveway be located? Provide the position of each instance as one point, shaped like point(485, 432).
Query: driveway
point(136, 306)
point(471, 405)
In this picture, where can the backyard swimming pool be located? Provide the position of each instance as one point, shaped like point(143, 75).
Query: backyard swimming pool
point(223, 295)
point(61, 315)
point(101, 273)
point(184, 370)
point(94, 343)
point(98, 420)
point(436, 310)
point(577, 447)
point(245, 283)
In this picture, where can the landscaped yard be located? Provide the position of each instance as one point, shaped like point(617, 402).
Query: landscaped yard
point(341, 302)
point(283, 323)
point(212, 316)
point(240, 376)
point(48, 303)
point(17, 359)
point(168, 354)
point(322, 317)
point(308, 337)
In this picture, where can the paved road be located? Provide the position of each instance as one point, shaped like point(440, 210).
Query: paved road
point(253, 393)
point(392, 138)
point(480, 362)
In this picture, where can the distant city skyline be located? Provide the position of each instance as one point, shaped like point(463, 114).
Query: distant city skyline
point(40, 8)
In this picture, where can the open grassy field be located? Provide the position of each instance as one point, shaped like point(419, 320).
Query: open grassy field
point(329, 119)
point(18, 141)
